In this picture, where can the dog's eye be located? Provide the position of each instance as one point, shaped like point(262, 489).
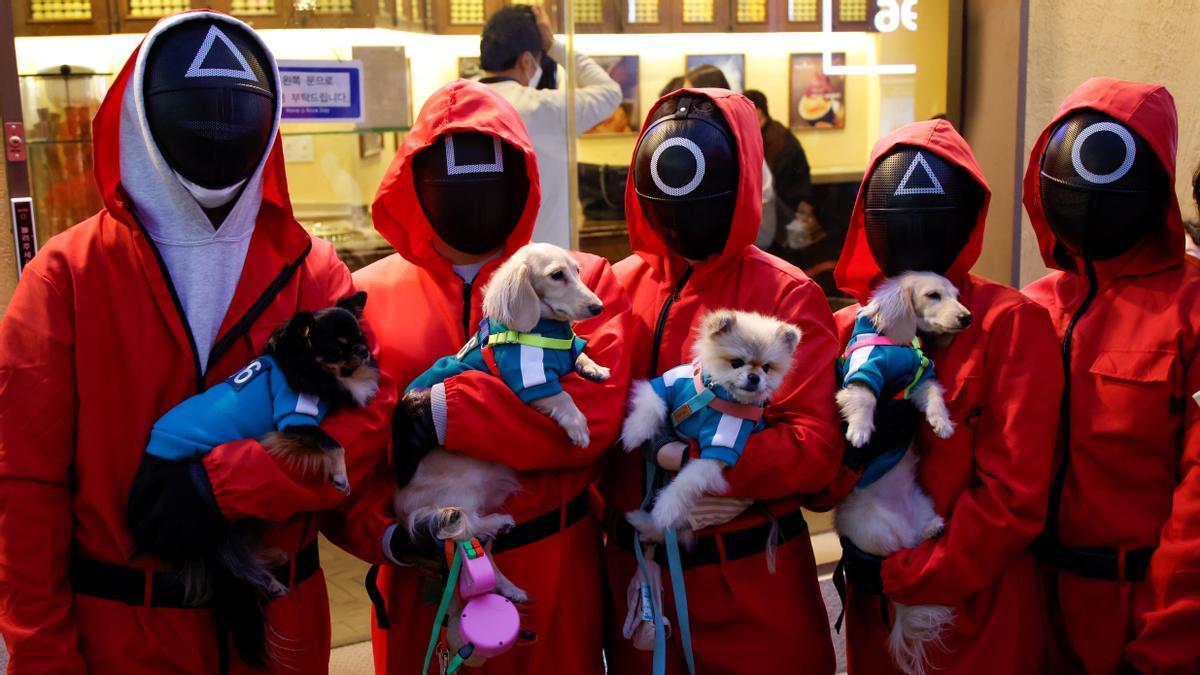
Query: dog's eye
point(766, 367)
point(736, 363)
point(557, 275)
point(933, 295)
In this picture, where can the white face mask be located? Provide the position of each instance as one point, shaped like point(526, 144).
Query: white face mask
point(211, 198)
point(536, 78)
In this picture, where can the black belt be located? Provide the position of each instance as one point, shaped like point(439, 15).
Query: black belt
point(738, 544)
point(130, 585)
point(524, 533)
point(1108, 564)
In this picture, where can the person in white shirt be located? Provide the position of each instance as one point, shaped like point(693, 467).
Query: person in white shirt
point(511, 48)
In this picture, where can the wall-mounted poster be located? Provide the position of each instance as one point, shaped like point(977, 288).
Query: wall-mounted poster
point(469, 68)
point(817, 100)
point(627, 117)
point(733, 65)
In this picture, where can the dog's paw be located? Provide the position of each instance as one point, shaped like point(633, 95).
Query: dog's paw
point(943, 427)
point(493, 524)
point(341, 483)
point(593, 371)
point(575, 424)
point(859, 433)
point(644, 523)
point(933, 528)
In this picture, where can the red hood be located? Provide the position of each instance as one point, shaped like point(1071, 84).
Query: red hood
point(740, 113)
point(857, 271)
point(107, 152)
point(459, 106)
point(1149, 110)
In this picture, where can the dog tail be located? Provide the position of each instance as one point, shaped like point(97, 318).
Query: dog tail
point(240, 606)
point(915, 629)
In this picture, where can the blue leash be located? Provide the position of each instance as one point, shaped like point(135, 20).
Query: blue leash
point(678, 589)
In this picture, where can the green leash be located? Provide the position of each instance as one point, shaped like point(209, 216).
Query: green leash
point(451, 582)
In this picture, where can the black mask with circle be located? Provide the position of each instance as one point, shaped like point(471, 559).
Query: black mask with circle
point(1102, 187)
point(210, 98)
point(472, 187)
point(685, 173)
point(920, 211)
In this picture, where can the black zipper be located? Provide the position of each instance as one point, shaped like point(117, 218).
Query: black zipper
point(1060, 477)
point(187, 329)
point(661, 326)
point(466, 317)
point(260, 305)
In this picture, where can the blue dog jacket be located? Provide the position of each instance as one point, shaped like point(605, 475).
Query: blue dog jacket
point(529, 363)
point(891, 371)
point(700, 415)
point(250, 404)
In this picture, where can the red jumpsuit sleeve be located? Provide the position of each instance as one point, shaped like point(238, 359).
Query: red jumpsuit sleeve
point(801, 448)
point(996, 519)
point(248, 482)
point(37, 447)
point(486, 420)
point(357, 524)
point(1167, 640)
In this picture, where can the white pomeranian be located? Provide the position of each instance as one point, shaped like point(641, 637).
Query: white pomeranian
point(740, 360)
point(891, 512)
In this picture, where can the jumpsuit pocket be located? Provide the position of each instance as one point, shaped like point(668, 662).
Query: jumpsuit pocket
point(1132, 396)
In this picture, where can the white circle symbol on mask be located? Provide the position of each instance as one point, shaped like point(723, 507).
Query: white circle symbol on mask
point(1118, 173)
point(691, 147)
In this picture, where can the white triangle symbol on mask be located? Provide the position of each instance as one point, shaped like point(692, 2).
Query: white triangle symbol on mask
point(197, 69)
point(935, 187)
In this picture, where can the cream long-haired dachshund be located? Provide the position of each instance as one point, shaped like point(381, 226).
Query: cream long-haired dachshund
point(893, 513)
point(458, 497)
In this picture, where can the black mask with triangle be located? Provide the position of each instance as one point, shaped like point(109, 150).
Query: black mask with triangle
point(919, 210)
point(210, 96)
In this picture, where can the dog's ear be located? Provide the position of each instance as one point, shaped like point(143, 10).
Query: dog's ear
point(892, 311)
point(292, 335)
point(355, 304)
point(718, 322)
point(789, 335)
point(511, 299)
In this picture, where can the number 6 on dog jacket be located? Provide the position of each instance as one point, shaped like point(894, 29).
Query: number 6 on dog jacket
point(721, 435)
point(529, 363)
point(250, 404)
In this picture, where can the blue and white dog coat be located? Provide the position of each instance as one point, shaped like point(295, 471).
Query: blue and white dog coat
point(250, 404)
point(891, 371)
point(707, 413)
point(529, 363)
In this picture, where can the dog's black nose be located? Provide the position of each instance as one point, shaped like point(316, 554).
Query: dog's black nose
point(964, 321)
point(752, 379)
point(596, 309)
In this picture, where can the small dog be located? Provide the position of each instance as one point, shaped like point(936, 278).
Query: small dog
point(456, 497)
point(741, 359)
point(888, 511)
point(310, 365)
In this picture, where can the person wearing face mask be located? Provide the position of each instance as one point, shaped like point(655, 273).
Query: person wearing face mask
point(460, 197)
point(172, 288)
point(922, 207)
point(693, 203)
point(512, 48)
point(1122, 536)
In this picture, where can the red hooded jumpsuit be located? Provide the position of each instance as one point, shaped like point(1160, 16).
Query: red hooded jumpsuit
point(1133, 473)
point(1003, 383)
point(93, 350)
point(743, 619)
point(425, 311)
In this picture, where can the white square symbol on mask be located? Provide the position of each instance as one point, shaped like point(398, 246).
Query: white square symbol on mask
point(453, 168)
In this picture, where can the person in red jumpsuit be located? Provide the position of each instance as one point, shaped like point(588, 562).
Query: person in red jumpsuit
point(693, 206)
point(173, 287)
point(1122, 539)
point(450, 235)
point(922, 207)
